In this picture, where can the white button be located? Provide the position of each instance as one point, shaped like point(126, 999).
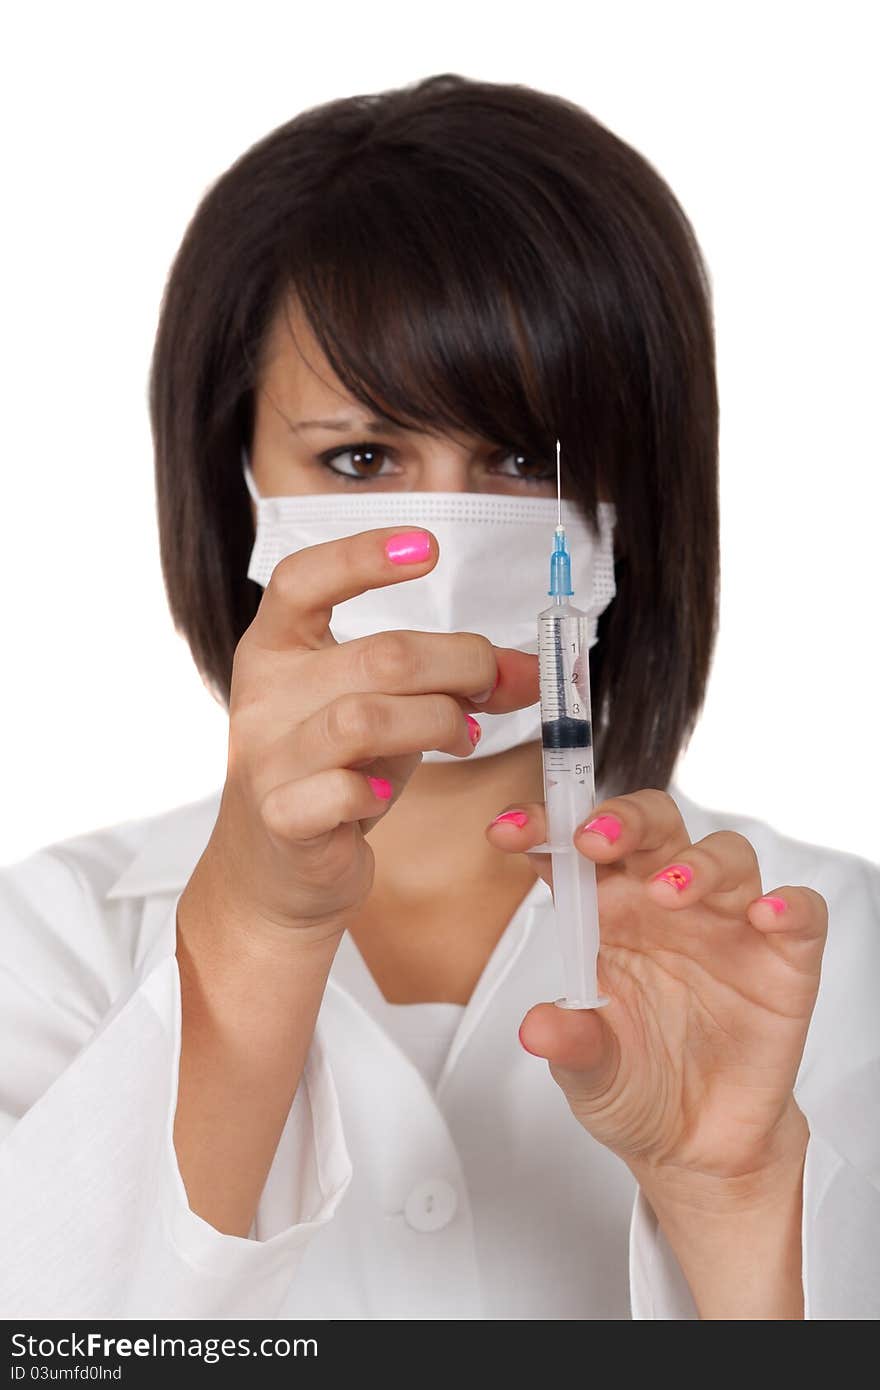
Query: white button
point(431, 1205)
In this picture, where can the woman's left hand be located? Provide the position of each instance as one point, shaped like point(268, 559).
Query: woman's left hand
point(688, 1072)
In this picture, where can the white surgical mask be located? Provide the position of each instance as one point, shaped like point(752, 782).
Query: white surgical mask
point(491, 577)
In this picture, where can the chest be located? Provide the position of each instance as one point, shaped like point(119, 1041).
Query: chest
point(434, 952)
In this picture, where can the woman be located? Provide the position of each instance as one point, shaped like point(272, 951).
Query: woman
point(266, 1055)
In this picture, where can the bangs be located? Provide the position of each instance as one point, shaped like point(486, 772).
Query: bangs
point(451, 302)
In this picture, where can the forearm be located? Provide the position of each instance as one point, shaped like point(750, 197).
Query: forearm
point(250, 1000)
point(739, 1242)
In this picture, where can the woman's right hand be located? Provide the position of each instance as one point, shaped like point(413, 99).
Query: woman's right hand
point(311, 719)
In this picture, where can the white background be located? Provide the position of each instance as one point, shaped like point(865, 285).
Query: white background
point(117, 118)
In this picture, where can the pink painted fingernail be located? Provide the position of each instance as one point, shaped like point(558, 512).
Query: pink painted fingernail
point(678, 875)
point(408, 548)
point(381, 787)
point(512, 818)
point(778, 904)
point(607, 826)
point(474, 730)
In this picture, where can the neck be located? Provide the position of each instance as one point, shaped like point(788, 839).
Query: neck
point(441, 895)
point(431, 844)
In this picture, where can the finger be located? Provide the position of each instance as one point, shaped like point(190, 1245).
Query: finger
point(297, 603)
point(358, 728)
point(579, 1045)
point(310, 807)
point(519, 826)
point(516, 682)
point(720, 870)
point(644, 827)
point(516, 829)
point(794, 922)
point(406, 662)
point(397, 772)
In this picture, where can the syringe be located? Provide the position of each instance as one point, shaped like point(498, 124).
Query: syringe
point(569, 778)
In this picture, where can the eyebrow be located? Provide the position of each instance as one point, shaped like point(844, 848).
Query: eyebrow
point(344, 422)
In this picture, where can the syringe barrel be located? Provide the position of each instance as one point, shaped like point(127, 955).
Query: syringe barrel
point(566, 719)
point(576, 905)
point(564, 665)
point(569, 793)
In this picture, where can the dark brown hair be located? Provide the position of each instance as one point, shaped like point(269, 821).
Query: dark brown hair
point(476, 256)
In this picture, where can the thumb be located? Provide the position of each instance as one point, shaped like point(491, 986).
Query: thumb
point(582, 1050)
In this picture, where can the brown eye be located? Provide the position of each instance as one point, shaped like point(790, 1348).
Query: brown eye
point(366, 461)
point(526, 469)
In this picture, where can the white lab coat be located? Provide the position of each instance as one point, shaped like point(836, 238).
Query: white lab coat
point(482, 1199)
